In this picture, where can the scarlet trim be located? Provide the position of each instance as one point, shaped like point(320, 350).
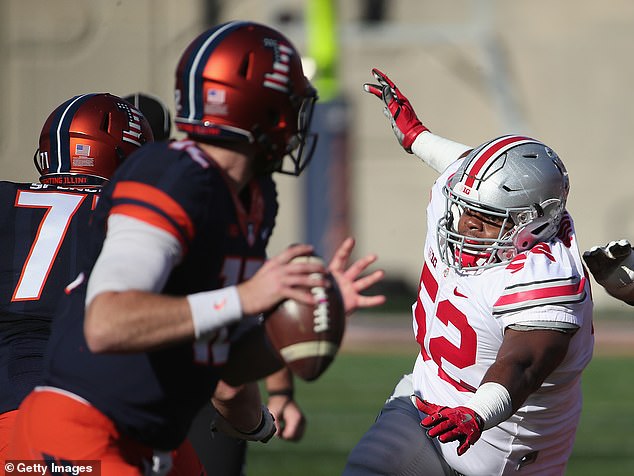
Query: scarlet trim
point(564, 290)
point(421, 318)
point(431, 285)
point(461, 386)
point(486, 153)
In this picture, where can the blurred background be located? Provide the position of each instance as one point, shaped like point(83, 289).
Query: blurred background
point(473, 69)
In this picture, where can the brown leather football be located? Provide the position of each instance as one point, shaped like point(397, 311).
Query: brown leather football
point(307, 338)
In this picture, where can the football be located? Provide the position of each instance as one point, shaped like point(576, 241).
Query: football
point(307, 338)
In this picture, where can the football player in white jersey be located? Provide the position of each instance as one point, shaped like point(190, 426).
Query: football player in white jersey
point(503, 315)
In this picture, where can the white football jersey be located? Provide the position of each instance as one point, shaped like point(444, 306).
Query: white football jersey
point(459, 322)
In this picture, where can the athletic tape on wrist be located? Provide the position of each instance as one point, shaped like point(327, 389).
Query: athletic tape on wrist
point(436, 151)
point(492, 402)
point(212, 310)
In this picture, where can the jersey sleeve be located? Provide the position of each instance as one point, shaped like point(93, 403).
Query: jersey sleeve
point(542, 288)
point(134, 256)
point(163, 187)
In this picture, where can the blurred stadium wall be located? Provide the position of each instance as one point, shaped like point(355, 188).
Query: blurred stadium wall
point(474, 69)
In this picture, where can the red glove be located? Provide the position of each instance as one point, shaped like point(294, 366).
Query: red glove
point(451, 424)
point(399, 111)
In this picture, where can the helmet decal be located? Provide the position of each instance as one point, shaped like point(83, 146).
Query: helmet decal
point(216, 102)
point(198, 54)
point(278, 79)
point(488, 155)
point(134, 133)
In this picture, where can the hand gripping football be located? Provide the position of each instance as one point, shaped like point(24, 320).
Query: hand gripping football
point(307, 338)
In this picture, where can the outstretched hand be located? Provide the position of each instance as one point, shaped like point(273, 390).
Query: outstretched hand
point(349, 279)
point(398, 110)
point(612, 266)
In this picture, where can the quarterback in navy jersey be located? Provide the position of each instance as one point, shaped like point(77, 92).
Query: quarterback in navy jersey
point(43, 228)
point(175, 187)
point(177, 266)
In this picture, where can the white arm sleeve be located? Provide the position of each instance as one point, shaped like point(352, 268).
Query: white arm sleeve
point(436, 151)
point(135, 255)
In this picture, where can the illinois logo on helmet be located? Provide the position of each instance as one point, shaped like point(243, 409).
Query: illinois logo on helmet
point(242, 81)
point(87, 137)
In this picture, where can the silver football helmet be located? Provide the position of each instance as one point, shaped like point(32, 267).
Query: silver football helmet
point(521, 184)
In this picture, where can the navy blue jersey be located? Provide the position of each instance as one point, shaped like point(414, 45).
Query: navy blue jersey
point(42, 230)
point(154, 396)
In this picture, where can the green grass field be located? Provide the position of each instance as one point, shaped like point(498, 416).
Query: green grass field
point(343, 403)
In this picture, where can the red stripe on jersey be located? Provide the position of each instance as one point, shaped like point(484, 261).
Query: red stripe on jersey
point(489, 151)
point(431, 285)
point(158, 199)
point(543, 249)
point(421, 317)
point(461, 386)
point(561, 291)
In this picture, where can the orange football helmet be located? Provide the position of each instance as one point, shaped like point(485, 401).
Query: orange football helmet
point(87, 137)
point(242, 81)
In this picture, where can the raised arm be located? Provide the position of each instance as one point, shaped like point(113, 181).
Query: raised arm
point(435, 151)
